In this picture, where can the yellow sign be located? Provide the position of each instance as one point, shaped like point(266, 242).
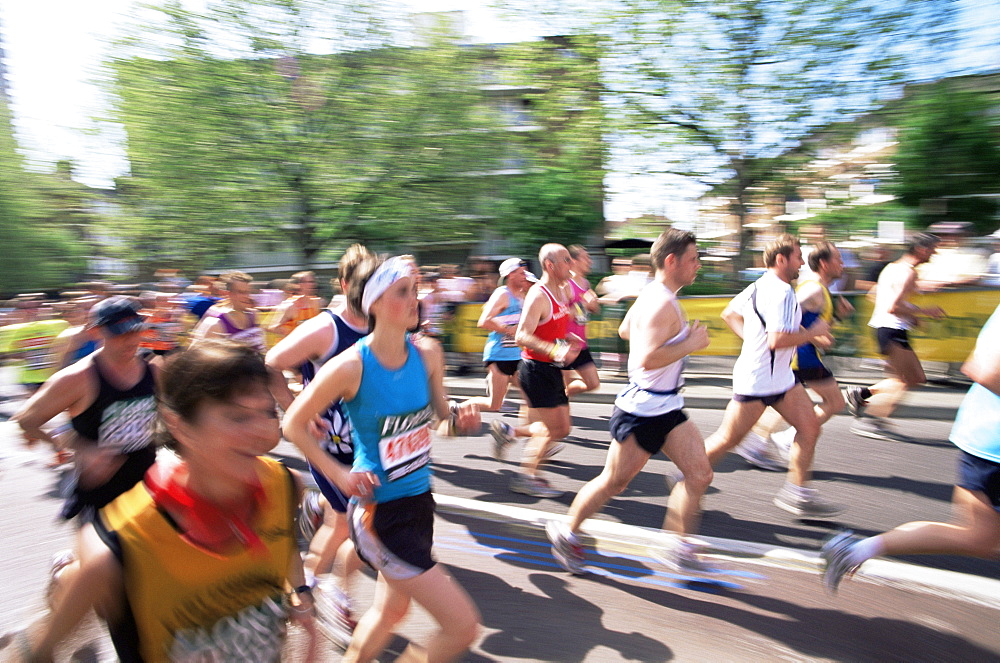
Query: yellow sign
point(948, 340)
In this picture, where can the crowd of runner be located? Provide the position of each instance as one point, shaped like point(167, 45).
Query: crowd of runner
point(167, 405)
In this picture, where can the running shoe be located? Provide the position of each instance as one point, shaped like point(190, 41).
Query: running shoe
point(310, 514)
point(783, 441)
point(754, 450)
point(855, 401)
point(333, 612)
point(60, 561)
point(553, 449)
point(681, 559)
point(533, 486)
point(836, 554)
point(566, 547)
point(878, 429)
point(672, 479)
point(503, 437)
point(812, 506)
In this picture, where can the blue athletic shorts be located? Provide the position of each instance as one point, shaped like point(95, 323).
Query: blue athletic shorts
point(980, 475)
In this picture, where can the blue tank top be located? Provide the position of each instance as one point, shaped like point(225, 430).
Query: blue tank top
point(977, 424)
point(498, 346)
point(391, 417)
point(338, 443)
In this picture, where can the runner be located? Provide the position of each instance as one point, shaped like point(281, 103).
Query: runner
point(110, 398)
point(164, 325)
point(32, 343)
point(892, 318)
point(298, 308)
point(500, 316)
point(767, 317)
point(76, 341)
point(235, 319)
point(584, 302)
point(975, 527)
point(392, 390)
point(199, 562)
point(648, 415)
point(807, 364)
point(308, 347)
point(546, 347)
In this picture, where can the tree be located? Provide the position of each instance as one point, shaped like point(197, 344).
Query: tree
point(712, 91)
point(949, 152)
point(235, 127)
point(37, 254)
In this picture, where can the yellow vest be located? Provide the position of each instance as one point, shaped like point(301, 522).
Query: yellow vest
point(183, 598)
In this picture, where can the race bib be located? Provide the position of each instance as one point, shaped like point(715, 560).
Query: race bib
point(127, 425)
point(405, 445)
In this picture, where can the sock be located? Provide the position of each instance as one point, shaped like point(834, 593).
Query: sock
point(866, 393)
point(799, 491)
point(865, 549)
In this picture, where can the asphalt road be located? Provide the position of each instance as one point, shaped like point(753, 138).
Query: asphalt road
point(630, 608)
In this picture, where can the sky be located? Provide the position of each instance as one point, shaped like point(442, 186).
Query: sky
point(53, 48)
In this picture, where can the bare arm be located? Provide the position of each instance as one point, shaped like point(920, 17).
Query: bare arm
point(68, 390)
point(734, 320)
point(491, 309)
point(902, 307)
point(466, 417)
point(983, 366)
point(306, 342)
point(339, 379)
point(650, 332)
point(777, 340)
point(207, 327)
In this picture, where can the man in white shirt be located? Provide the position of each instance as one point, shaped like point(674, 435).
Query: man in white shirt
point(766, 315)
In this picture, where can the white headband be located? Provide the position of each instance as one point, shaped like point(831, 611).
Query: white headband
point(385, 275)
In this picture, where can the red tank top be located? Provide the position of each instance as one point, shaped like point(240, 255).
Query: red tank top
point(552, 329)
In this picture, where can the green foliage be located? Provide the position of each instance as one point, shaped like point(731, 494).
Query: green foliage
point(39, 251)
point(713, 91)
point(236, 130)
point(842, 222)
point(949, 147)
point(552, 206)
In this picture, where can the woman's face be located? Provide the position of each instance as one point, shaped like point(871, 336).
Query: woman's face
point(227, 437)
point(398, 304)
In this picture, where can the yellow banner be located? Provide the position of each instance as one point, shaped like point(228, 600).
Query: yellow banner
point(948, 340)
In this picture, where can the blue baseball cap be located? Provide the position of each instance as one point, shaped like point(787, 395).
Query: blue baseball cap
point(118, 315)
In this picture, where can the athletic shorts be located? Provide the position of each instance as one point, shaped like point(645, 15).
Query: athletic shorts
point(507, 366)
point(650, 432)
point(812, 374)
point(542, 384)
point(333, 495)
point(394, 537)
point(582, 359)
point(980, 475)
point(887, 337)
point(86, 501)
point(766, 400)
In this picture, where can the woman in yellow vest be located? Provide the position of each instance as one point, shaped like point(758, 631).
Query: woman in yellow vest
point(198, 561)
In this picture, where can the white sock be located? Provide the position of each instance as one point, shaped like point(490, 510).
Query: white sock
point(865, 549)
point(799, 491)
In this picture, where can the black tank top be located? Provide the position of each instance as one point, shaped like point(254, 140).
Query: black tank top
point(120, 418)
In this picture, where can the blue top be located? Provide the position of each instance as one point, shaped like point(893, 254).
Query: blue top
point(391, 417)
point(338, 443)
point(977, 424)
point(498, 346)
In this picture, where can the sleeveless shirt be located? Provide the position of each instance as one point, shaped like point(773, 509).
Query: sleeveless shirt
point(551, 329)
point(186, 602)
point(391, 416)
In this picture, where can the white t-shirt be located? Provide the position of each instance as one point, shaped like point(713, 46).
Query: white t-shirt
point(760, 371)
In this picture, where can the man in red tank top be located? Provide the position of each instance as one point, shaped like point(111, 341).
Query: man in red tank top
point(546, 347)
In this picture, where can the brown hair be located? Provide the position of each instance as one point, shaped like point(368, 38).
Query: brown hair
point(360, 273)
point(670, 242)
point(821, 251)
point(297, 277)
point(782, 245)
point(575, 250)
point(350, 269)
point(214, 370)
point(235, 276)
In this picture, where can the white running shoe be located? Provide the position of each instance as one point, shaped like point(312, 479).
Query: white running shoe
point(754, 450)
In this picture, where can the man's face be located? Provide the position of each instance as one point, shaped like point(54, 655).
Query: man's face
point(688, 264)
point(559, 265)
point(925, 253)
point(834, 267)
point(788, 268)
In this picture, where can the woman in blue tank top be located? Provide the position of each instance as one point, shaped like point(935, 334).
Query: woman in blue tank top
point(393, 393)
